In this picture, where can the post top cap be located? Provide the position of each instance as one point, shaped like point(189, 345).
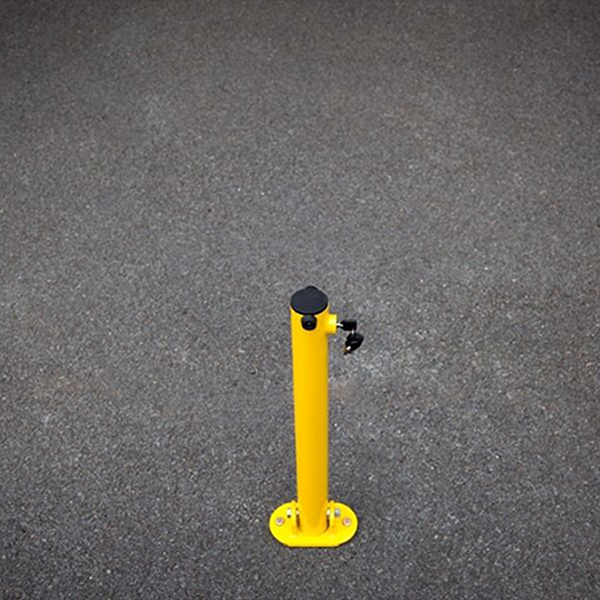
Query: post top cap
point(309, 301)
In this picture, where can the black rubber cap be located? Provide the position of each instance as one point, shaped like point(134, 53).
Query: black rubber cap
point(309, 301)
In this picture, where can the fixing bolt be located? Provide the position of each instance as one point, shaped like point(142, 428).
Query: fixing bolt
point(346, 521)
point(279, 521)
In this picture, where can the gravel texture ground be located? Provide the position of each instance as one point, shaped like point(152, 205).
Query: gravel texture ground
point(171, 172)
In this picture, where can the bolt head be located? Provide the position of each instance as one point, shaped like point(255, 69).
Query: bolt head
point(346, 521)
point(279, 521)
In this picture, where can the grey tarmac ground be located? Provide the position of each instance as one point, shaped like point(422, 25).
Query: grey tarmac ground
point(171, 172)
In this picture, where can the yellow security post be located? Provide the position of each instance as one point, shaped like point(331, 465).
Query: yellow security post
point(313, 519)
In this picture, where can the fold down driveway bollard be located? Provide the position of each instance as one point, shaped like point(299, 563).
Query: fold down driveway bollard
point(313, 519)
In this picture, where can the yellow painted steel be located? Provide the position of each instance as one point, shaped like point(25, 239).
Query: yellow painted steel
point(310, 377)
point(312, 520)
point(285, 527)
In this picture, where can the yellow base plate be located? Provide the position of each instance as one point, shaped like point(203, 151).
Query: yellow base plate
point(343, 524)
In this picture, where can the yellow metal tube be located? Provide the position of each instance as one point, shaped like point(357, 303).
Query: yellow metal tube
point(313, 520)
point(310, 379)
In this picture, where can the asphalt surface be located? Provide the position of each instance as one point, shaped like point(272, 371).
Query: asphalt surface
point(171, 172)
